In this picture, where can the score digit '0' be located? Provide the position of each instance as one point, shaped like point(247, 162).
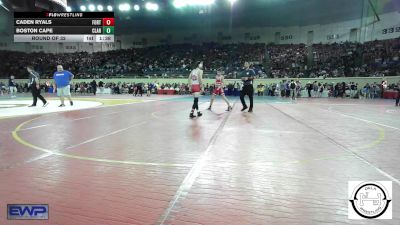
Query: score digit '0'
point(108, 21)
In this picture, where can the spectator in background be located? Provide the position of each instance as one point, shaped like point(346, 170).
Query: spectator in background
point(139, 90)
point(374, 90)
point(315, 89)
point(12, 87)
point(320, 90)
point(375, 58)
point(93, 84)
point(309, 89)
point(150, 89)
point(101, 86)
point(384, 86)
point(2, 88)
point(398, 94)
point(260, 90)
point(287, 89)
point(367, 90)
point(352, 89)
point(292, 87)
point(298, 89)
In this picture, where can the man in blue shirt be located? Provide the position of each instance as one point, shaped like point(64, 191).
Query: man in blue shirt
point(62, 79)
point(247, 76)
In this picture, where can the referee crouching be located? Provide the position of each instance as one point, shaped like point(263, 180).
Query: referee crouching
point(62, 79)
point(247, 77)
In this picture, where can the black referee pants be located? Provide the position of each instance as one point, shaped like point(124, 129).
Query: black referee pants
point(94, 90)
point(398, 99)
point(36, 94)
point(249, 91)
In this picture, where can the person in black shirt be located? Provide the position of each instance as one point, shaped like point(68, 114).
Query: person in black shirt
point(101, 86)
point(139, 90)
point(35, 88)
point(352, 89)
point(309, 89)
point(398, 94)
point(93, 84)
point(247, 77)
point(292, 87)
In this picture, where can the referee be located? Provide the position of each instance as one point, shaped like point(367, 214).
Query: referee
point(35, 87)
point(247, 77)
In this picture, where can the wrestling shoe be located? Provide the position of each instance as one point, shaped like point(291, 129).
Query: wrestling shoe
point(199, 114)
point(192, 116)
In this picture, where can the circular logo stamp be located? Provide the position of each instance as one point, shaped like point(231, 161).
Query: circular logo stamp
point(370, 200)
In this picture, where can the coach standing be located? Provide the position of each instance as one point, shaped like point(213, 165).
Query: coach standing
point(62, 79)
point(34, 79)
point(247, 77)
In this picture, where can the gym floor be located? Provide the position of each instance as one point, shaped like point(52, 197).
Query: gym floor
point(143, 161)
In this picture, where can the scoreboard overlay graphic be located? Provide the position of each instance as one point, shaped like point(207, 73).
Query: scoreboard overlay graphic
point(64, 27)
